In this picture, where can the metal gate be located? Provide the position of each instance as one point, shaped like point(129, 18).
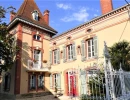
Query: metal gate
point(107, 84)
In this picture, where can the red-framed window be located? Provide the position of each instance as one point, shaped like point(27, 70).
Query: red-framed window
point(55, 56)
point(89, 48)
point(69, 52)
point(55, 80)
point(36, 82)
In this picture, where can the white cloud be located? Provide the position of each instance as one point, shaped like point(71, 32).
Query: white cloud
point(97, 10)
point(63, 6)
point(80, 16)
point(95, 15)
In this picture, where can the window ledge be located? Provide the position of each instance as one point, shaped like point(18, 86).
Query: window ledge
point(90, 59)
point(37, 40)
point(54, 64)
point(69, 61)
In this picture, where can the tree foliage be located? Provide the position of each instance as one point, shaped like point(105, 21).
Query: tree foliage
point(96, 84)
point(7, 43)
point(120, 54)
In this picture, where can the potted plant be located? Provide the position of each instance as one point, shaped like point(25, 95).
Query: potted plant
point(34, 61)
point(44, 61)
point(56, 89)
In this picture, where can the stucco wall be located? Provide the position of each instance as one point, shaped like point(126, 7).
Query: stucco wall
point(27, 54)
point(108, 30)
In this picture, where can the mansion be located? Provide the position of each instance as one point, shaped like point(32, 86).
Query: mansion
point(47, 61)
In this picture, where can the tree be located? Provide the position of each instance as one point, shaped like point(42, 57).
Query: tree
point(7, 41)
point(120, 54)
point(96, 83)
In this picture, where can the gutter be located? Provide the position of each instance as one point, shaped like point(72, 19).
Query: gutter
point(30, 23)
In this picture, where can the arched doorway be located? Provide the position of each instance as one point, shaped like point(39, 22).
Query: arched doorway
point(71, 82)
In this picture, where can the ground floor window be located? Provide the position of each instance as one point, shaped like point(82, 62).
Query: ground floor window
point(32, 81)
point(55, 80)
point(40, 81)
point(36, 81)
point(6, 83)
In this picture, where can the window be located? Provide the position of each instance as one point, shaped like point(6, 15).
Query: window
point(36, 81)
point(89, 48)
point(55, 56)
point(6, 83)
point(32, 81)
point(40, 81)
point(35, 15)
point(37, 55)
point(37, 59)
point(36, 37)
point(69, 52)
point(55, 80)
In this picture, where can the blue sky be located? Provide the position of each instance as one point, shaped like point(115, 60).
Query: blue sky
point(66, 14)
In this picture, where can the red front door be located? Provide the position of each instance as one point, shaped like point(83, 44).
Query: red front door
point(72, 85)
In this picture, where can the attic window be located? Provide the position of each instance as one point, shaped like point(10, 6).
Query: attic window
point(89, 30)
point(68, 38)
point(54, 43)
point(35, 15)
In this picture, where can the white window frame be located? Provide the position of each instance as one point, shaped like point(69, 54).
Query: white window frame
point(36, 37)
point(90, 53)
point(55, 80)
point(40, 81)
point(35, 15)
point(32, 81)
point(38, 61)
point(55, 56)
point(70, 52)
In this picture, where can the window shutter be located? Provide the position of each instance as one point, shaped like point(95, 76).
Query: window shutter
point(83, 51)
point(50, 57)
point(30, 76)
point(74, 52)
point(4, 83)
point(95, 46)
point(58, 56)
point(64, 54)
point(50, 80)
point(83, 82)
point(8, 84)
point(59, 80)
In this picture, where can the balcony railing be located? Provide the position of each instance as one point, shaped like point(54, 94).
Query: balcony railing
point(38, 66)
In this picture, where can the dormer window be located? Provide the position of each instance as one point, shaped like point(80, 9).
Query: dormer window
point(35, 15)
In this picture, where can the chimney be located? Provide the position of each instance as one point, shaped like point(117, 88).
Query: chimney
point(46, 16)
point(12, 15)
point(106, 6)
